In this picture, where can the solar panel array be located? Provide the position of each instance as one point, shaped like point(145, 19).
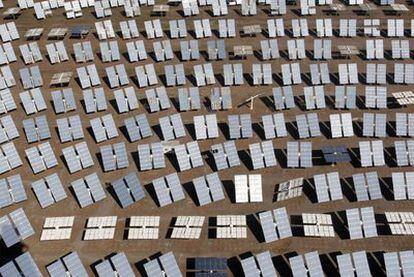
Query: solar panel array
point(194, 71)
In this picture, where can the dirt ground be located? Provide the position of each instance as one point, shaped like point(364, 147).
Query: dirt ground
point(138, 250)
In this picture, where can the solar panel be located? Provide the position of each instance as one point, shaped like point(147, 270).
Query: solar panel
point(354, 262)
point(231, 227)
point(328, 187)
point(275, 224)
point(63, 101)
point(94, 100)
point(41, 157)
point(114, 156)
point(404, 151)
point(225, 155)
point(208, 188)
point(11, 191)
point(367, 187)
point(189, 50)
point(144, 227)
point(290, 189)
point(151, 156)
point(104, 128)
point(187, 227)
point(57, 228)
point(402, 185)
point(33, 101)
point(129, 29)
point(70, 128)
point(128, 189)
point(7, 54)
point(77, 157)
point(68, 264)
point(8, 130)
point(117, 264)
point(138, 127)
point(215, 266)
point(164, 264)
point(168, 189)
point(9, 157)
point(220, 98)
point(317, 225)
point(172, 127)
point(83, 51)
point(100, 228)
point(189, 99)
point(6, 101)
point(299, 153)
point(49, 190)
point(309, 263)
point(15, 227)
point(262, 154)
point(372, 153)
point(205, 126)
point(178, 28)
point(157, 99)
point(259, 264)
point(23, 265)
point(283, 98)
point(240, 126)
point(361, 223)
point(88, 190)
point(341, 125)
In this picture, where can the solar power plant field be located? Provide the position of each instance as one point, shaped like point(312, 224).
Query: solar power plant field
point(206, 138)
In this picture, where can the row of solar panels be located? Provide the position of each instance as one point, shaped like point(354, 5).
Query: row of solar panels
point(227, 28)
point(189, 99)
point(151, 156)
point(103, 8)
point(208, 188)
point(216, 49)
point(220, 227)
point(204, 75)
point(260, 264)
point(275, 225)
